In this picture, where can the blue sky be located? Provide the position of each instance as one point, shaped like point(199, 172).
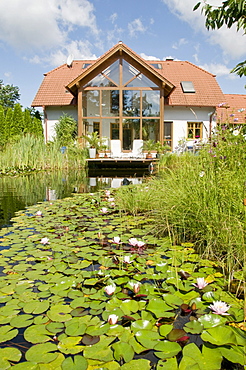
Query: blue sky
point(37, 36)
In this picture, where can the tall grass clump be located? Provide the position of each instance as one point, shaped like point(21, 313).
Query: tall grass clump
point(31, 152)
point(201, 198)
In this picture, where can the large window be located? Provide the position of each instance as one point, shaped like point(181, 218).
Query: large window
point(194, 130)
point(124, 102)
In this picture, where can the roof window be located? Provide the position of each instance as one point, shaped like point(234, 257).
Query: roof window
point(188, 87)
point(156, 65)
point(85, 65)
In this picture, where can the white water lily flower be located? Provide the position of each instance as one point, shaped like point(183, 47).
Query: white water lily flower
point(202, 173)
point(38, 213)
point(44, 241)
point(104, 210)
point(112, 319)
point(107, 193)
point(236, 132)
point(219, 308)
point(133, 242)
point(109, 289)
point(116, 240)
point(140, 244)
point(111, 199)
point(200, 283)
point(127, 259)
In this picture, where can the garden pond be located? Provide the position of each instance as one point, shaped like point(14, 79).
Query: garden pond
point(85, 286)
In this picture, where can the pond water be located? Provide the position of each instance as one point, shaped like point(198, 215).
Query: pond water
point(17, 193)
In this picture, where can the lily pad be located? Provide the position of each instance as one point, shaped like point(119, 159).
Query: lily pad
point(7, 355)
point(7, 333)
point(75, 363)
point(141, 364)
point(167, 349)
point(42, 353)
point(60, 313)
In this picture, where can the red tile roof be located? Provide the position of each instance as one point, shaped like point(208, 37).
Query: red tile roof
point(232, 109)
point(53, 92)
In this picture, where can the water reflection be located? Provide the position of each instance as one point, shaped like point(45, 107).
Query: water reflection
point(17, 193)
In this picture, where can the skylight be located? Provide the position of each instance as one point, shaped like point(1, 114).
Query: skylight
point(156, 65)
point(188, 87)
point(85, 65)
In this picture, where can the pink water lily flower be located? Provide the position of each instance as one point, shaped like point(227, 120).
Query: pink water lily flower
point(200, 283)
point(44, 241)
point(104, 210)
point(111, 199)
point(107, 193)
point(133, 242)
point(109, 289)
point(219, 308)
point(140, 244)
point(136, 288)
point(39, 213)
point(112, 319)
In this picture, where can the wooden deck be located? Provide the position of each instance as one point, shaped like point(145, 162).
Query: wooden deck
point(120, 163)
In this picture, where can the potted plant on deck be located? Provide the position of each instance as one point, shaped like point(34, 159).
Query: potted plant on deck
point(149, 146)
point(95, 143)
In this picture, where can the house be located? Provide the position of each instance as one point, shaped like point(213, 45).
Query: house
point(126, 98)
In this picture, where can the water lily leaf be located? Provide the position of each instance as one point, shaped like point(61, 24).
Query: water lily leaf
point(172, 300)
point(75, 363)
point(42, 353)
point(193, 327)
point(36, 307)
point(159, 308)
point(141, 364)
point(115, 330)
point(7, 333)
point(164, 330)
point(53, 365)
point(140, 325)
point(21, 321)
point(168, 364)
point(77, 302)
point(89, 340)
point(101, 350)
point(60, 313)
point(147, 338)
point(37, 334)
point(69, 345)
point(211, 320)
point(234, 354)
point(26, 366)
point(55, 327)
point(193, 358)
point(167, 349)
point(75, 327)
point(97, 330)
point(137, 347)
point(7, 355)
point(123, 350)
point(220, 336)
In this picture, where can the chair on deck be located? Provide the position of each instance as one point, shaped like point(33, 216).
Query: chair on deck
point(137, 149)
point(115, 149)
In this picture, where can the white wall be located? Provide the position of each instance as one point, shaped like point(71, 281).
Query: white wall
point(181, 115)
point(53, 115)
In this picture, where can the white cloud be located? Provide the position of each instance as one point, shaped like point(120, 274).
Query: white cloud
point(148, 57)
point(136, 26)
point(79, 49)
point(181, 42)
point(229, 40)
point(41, 25)
point(113, 17)
point(217, 69)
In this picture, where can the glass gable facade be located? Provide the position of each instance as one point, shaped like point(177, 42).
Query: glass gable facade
point(124, 103)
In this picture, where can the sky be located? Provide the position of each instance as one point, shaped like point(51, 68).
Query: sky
point(37, 36)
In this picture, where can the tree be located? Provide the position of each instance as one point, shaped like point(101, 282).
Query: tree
point(2, 127)
point(9, 95)
point(18, 121)
point(229, 13)
point(66, 130)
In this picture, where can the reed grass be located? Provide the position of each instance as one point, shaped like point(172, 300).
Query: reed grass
point(32, 153)
point(200, 199)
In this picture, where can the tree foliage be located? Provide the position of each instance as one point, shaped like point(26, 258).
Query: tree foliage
point(9, 95)
point(231, 12)
point(66, 130)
